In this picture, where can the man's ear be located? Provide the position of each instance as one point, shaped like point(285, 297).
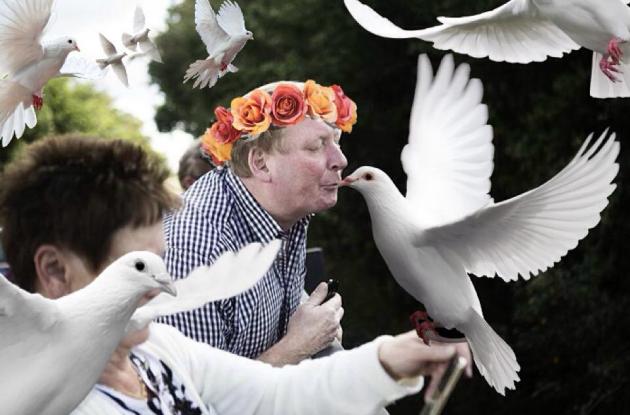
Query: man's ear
point(52, 272)
point(257, 160)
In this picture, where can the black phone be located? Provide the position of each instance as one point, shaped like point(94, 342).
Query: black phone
point(333, 288)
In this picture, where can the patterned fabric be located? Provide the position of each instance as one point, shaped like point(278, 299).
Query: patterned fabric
point(166, 395)
point(220, 215)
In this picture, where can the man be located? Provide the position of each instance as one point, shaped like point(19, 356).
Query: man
point(284, 163)
point(192, 165)
point(70, 206)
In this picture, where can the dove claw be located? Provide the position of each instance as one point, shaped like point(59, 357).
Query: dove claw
point(614, 51)
point(38, 102)
point(609, 68)
point(423, 325)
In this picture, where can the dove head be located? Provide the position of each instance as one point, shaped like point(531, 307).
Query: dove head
point(146, 270)
point(62, 45)
point(249, 35)
point(369, 181)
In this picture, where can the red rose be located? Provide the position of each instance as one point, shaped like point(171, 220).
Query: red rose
point(222, 129)
point(287, 105)
point(346, 110)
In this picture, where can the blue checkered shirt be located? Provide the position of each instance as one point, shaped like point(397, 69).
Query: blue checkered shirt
point(219, 214)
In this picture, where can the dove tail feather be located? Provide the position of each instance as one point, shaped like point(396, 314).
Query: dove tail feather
point(13, 116)
point(102, 63)
point(205, 71)
point(494, 358)
point(129, 44)
point(602, 87)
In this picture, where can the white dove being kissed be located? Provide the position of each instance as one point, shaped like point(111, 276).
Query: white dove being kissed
point(141, 37)
point(57, 349)
point(447, 225)
point(28, 63)
point(224, 36)
point(523, 31)
point(113, 59)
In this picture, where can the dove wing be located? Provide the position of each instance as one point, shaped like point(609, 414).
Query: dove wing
point(448, 159)
point(514, 32)
point(138, 20)
point(231, 18)
point(22, 315)
point(78, 67)
point(530, 232)
point(22, 23)
point(208, 28)
point(108, 46)
point(231, 274)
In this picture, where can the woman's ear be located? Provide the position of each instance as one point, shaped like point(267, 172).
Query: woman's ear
point(51, 271)
point(257, 160)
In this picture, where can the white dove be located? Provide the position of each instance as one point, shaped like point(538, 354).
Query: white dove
point(448, 226)
point(113, 59)
point(231, 274)
point(29, 63)
point(141, 37)
point(57, 349)
point(224, 36)
point(522, 31)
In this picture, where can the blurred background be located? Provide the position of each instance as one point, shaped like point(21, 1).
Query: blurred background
point(568, 326)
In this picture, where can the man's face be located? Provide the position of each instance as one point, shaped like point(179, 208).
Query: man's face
point(306, 174)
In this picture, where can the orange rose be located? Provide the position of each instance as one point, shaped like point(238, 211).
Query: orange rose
point(252, 113)
point(287, 105)
point(222, 129)
point(346, 110)
point(321, 101)
point(220, 152)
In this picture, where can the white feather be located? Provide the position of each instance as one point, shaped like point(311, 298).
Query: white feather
point(231, 19)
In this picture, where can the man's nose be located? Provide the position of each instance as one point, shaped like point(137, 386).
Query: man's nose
point(337, 159)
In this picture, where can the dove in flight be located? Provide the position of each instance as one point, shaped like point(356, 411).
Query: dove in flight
point(523, 31)
point(27, 63)
point(53, 351)
point(113, 59)
point(224, 35)
point(141, 37)
point(447, 225)
point(230, 275)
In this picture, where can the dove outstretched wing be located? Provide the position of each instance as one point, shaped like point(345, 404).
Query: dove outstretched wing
point(231, 18)
point(514, 32)
point(530, 232)
point(448, 159)
point(208, 28)
point(230, 275)
point(138, 20)
point(22, 24)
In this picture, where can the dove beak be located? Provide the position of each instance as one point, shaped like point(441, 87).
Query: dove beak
point(347, 181)
point(76, 47)
point(166, 284)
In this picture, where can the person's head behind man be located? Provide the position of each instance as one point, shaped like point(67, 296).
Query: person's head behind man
point(294, 169)
point(192, 165)
point(69, 206)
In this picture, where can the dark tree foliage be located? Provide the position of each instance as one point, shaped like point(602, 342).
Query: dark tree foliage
point(568, 326)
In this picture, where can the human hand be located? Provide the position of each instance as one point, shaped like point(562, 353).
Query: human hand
point(407, 356)
point(314, 325)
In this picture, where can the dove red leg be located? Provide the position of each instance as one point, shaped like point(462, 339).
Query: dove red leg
point(423, 324)
point(612, 58)
point(38, 102)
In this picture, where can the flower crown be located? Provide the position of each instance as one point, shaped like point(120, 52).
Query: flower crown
point(278, 104)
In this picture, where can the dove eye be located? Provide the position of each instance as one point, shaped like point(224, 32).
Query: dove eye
point(69, 41)
point(368, 176)
point(140, 265)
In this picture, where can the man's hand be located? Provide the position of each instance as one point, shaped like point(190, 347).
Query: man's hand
point(407, 356)
point(311, 328)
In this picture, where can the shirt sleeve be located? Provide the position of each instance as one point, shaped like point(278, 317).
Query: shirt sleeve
point(350, 382)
